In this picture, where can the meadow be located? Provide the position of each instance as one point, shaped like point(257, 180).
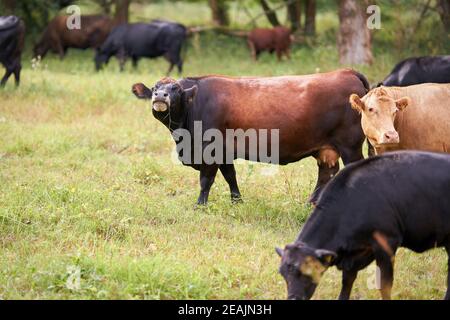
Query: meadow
point(94, 206)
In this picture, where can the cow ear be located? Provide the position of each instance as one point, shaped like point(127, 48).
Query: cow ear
point(402, 103)
point(189, 95)
point(141, 91)
point(326, 257)
point(356, 103)
point(279, 251)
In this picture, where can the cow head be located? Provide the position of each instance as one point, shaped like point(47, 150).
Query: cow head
point(40, 49)
point(378, 111)
point(100, 59)
point(302, 267)
point(167, 96)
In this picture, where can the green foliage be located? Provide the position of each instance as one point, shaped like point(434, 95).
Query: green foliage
point(37, 13)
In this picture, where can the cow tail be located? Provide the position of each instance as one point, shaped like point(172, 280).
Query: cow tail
point(363, 79)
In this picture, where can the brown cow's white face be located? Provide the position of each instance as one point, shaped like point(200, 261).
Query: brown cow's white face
point(378, 111)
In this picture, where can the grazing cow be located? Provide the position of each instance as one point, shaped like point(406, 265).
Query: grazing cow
point(311, 112)
point(414, 117)
point(159, 38)
point(12, 36)
point(57, 37)
point(365, 213)
point(419, 70)
point(278, 39)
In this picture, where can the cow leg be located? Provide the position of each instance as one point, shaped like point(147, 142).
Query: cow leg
point(170, 68)
point(180, 66)
point(328, 163)
point(207, 175)
point(252, 49)
point(135, 62)
point(288, 53)
point(122, 57)
point(279, 54)
point(5, 78)
point(122, 61)
point(385, 263)
point(229, 173)
point(348, 278)
point(61, 51)
point(17, 73)
point(447, 295)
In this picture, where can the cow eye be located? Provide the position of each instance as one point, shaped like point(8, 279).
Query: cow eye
point(370, 109)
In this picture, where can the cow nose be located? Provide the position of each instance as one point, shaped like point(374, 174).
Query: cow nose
point(391, 137)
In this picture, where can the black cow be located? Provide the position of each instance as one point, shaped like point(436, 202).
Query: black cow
point(159, 38)
point(12, 36)
point(365, 213)
point(419, 70)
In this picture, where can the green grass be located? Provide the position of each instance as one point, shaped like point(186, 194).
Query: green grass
point(88, 186)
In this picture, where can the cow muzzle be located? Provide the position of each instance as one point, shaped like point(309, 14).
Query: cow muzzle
point(160, 101)
point(390, 137)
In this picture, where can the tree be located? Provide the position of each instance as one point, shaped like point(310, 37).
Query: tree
point(9, 6)
point(354, 39)
point(444, 11)
point(310, 17)
point(270, 14)
point(294, 11)
point(219, 10)
point(122, 11)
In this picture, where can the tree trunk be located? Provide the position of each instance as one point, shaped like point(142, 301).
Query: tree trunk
point(219, 12)
point(310, 17)
point(294, 11)
point(122, 11)
point(444, 12)
point(9, 6)
point(271, 15)
point(354, 39)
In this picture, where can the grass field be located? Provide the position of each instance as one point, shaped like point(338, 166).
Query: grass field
point(93, 206)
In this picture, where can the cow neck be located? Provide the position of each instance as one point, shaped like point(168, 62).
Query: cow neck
point(173, 121)
point(318, 233)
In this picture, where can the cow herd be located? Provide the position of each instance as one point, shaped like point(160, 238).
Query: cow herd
point(159, 38)
point(373, 206)
point(101, 33)
point(361, 214)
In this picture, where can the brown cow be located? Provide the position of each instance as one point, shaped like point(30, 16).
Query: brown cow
point(57, 37)
point(414, 117)
point(278, 39)
point(311, 112)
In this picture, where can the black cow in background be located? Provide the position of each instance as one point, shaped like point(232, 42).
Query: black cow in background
point(137, 40)
point(12, 36)
point(419, 70)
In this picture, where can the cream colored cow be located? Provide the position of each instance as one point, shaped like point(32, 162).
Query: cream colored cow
point(415, 117)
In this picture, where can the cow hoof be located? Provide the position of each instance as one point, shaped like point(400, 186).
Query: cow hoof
point(235, 199)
